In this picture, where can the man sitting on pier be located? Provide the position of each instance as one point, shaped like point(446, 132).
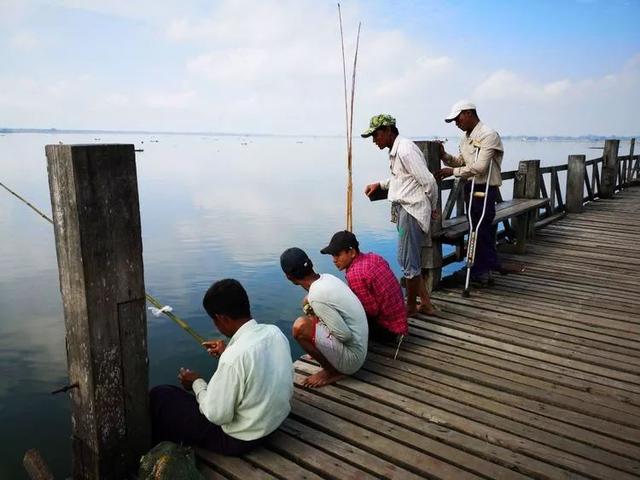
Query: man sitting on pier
point(334, 328)
point(372, 280)
point(248, 396)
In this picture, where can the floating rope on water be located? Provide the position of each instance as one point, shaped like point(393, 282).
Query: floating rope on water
point(152, 300)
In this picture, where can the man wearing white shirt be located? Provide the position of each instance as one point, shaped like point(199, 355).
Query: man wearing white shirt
point(248, 396)
point(480, 147)
point(413, 193)
point(334, 329)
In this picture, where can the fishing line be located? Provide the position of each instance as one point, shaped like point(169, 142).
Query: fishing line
point(152, 300)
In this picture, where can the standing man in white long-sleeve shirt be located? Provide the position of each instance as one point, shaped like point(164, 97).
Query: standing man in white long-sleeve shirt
point(413, 193)
point(248, 396)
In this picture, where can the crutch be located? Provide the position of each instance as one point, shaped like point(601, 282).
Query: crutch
point(473, 233)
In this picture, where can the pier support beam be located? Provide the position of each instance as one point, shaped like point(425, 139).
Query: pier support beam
point(432, 252)
point(609, 168)
point(94, 196)
point(526, 185)
point(630, 175)
point(575, 184)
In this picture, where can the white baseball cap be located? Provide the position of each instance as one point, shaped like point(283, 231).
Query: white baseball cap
point(459, 107)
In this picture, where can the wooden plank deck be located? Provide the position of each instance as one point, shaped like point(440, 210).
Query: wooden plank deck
point(536, 377)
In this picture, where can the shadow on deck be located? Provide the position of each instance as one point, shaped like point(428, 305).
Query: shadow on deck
point(536, 377)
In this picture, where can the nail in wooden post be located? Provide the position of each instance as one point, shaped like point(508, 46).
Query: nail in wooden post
point(94, 196)
point(526, 185)
point(609, 168)
point(575, 184)
point(432, 256)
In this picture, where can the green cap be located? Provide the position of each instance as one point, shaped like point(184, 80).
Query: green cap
point(377, 121)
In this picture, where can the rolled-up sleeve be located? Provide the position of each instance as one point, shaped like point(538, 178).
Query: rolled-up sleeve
point(217, 399)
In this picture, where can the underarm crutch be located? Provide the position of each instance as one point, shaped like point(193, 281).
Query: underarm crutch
point(473, 232)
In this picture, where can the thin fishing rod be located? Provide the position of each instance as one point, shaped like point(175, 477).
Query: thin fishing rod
point(181, 323)
point(350, 149)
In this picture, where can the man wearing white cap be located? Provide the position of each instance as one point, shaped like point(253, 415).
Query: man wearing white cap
point(468, 164)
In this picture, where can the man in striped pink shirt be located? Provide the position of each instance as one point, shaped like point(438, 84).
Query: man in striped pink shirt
point(372, 280)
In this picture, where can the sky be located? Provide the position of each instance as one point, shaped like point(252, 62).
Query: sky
point(563, 67)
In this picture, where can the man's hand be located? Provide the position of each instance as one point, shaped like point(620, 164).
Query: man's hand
point(214, 347)
point(371, 188)
point(443, 152)
point(444, 172)
point(187, 377)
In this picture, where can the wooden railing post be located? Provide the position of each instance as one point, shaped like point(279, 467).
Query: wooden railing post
point(432, 256)
point(94, 196)
point(526, 185)
point(575, 184)
point(630, 171)
point(609, 168)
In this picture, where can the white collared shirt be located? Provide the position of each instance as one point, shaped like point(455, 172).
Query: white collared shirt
point(249, 394)
point(411, 183)
point(491, 149)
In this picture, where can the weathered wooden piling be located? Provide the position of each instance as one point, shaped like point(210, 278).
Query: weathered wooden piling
point(94, 197)
point(630, 169)
point(609, 168)
point(432, 259)
point(575, 184)
point(526, 185)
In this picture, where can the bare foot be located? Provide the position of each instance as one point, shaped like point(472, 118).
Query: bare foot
point(427, 309)
point(412, 310)
point(322, 378)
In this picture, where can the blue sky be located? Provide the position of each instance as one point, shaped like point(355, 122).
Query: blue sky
point(567, 67)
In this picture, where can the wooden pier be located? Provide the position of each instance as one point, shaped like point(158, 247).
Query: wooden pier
point(535, 377)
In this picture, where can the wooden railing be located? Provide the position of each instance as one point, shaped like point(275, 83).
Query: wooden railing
point(586, 181)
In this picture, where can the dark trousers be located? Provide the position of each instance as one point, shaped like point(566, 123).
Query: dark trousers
point(176, 417)
point(486, 258)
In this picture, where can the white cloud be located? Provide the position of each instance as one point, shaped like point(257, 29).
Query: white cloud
point(276, 67)
point(564, 106)
point(24, 40)
point(170, 100)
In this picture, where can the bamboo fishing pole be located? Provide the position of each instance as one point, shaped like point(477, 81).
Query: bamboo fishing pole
point(350, 151)
point(152, 300)
point(349, 117)
point(346, 115)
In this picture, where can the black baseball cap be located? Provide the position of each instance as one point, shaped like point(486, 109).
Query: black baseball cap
point(295, 261)
point(343, 240)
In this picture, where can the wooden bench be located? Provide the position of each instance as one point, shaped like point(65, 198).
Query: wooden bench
point(455, 228)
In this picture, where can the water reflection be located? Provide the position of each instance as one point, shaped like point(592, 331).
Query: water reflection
point(210, 208)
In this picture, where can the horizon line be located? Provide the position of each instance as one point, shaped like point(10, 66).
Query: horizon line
point(52, 130)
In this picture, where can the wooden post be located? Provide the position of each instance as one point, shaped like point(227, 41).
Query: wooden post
point(94, 196)
point(575, 184)
point(432, 255)
point(526, 185)
point(609, 168)
point(630, 165)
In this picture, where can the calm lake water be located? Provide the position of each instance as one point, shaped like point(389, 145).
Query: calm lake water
point(212, 207)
